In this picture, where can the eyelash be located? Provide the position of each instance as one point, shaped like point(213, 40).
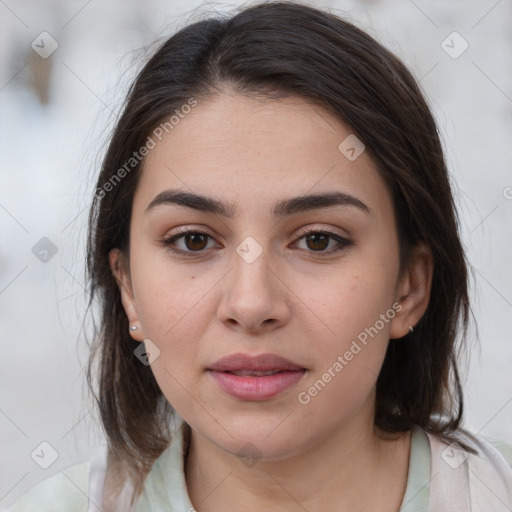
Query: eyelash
point(343, 242)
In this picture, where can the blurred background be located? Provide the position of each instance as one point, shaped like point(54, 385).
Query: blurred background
point(64, 69)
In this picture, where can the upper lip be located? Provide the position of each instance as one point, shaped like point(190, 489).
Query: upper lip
point(262, 362)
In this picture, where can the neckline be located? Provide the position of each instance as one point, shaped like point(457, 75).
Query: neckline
point(166, 485)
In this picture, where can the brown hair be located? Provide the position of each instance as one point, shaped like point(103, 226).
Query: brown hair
point(278, 49)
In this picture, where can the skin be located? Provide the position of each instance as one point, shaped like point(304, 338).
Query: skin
point(291, 301)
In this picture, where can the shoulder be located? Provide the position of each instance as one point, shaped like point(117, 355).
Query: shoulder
point(78, 488)
point(470, 472)
point(65, 491)
point(487, 451)
point(504, 448)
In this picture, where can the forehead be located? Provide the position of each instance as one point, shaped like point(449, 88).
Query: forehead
point(256, 152)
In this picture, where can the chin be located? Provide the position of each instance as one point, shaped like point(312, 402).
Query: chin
point(258, 443)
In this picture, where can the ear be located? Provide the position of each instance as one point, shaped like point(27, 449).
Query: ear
point(413, 291)
point(121, 273)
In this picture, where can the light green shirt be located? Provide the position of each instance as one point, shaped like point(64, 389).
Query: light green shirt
point(441, 477)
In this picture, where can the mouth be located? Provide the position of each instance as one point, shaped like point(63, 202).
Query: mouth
point(255, 378)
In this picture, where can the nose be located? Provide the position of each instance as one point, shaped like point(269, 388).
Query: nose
point(255, 299)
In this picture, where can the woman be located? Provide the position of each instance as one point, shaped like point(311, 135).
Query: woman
point(275, 246)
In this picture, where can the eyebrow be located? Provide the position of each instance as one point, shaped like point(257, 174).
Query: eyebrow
point(281, 208)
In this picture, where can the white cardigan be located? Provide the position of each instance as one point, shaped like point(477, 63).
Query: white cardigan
point(442, 477)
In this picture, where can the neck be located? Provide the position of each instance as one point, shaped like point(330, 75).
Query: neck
point(352, 468)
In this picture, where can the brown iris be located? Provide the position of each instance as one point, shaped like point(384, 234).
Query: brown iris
point(198, 241)
point(320, 241)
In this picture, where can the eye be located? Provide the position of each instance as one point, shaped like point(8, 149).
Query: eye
point(195, 242)
point(317, 241)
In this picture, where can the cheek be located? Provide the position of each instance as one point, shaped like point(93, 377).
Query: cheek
point(174, 312)
point(355, 312)
point(343, 304)
point(167, 293)
point(349, 363)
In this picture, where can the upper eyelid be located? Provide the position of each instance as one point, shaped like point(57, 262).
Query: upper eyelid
point(203, 231)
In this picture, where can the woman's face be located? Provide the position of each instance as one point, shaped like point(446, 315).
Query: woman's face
point(255, 282)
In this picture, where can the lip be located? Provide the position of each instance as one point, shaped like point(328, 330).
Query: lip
point(261, 362)
point(255, 388)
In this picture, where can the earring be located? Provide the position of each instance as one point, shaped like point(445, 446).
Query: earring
point(134, 327)
point(412, 330)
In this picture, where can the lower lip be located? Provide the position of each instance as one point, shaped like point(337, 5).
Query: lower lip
point(256, 388)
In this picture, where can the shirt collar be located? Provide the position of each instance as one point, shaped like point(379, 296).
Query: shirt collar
point(166, 489)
